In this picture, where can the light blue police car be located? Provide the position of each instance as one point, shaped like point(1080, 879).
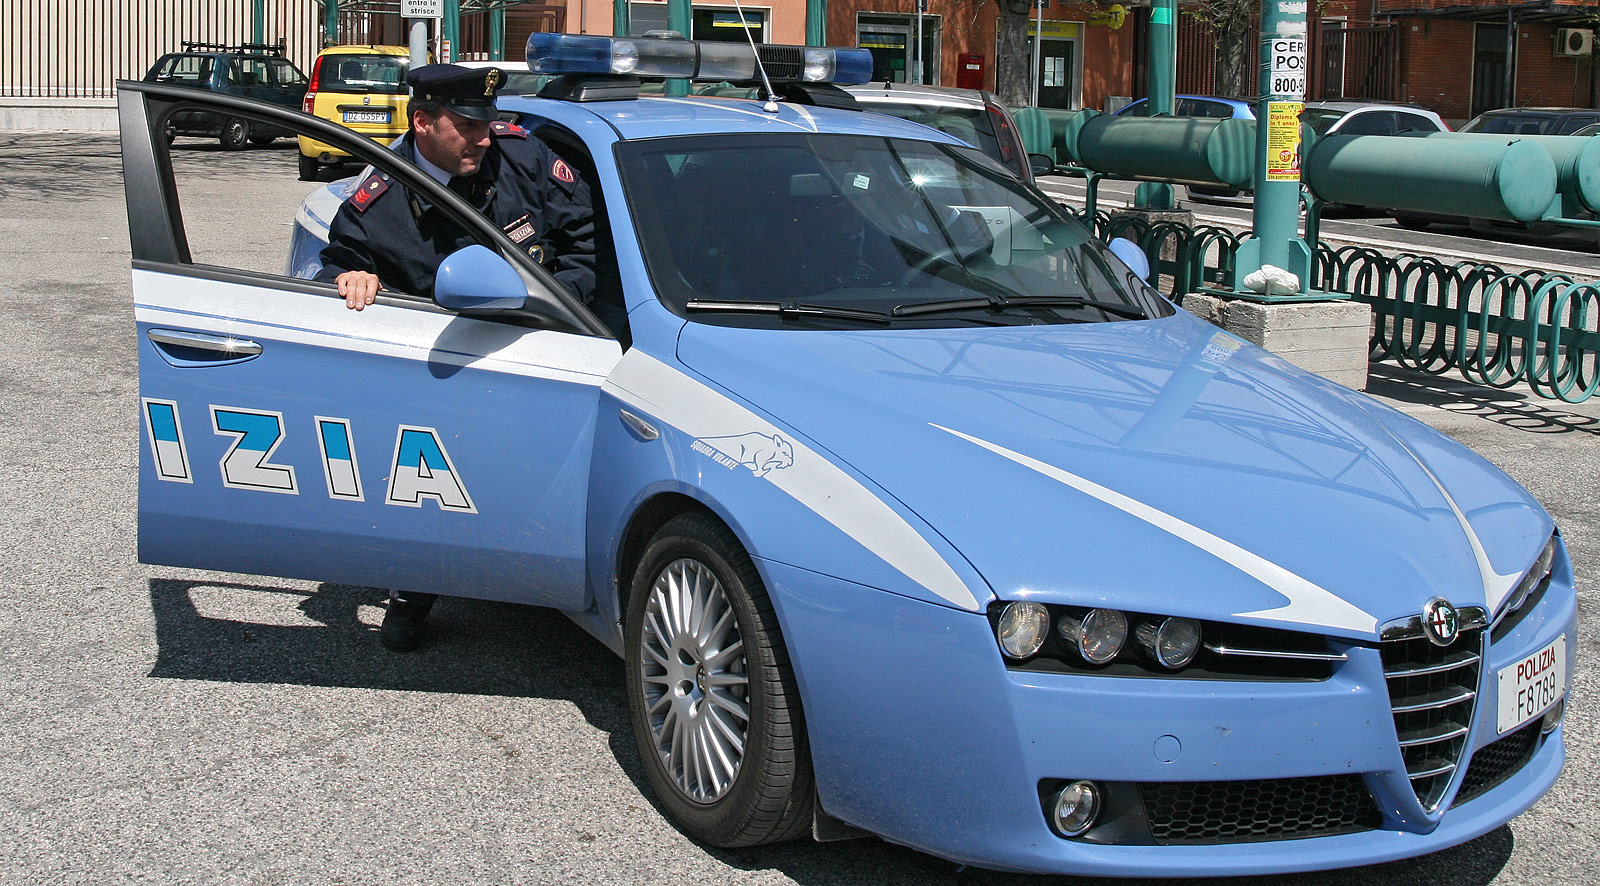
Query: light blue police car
point(910, 509)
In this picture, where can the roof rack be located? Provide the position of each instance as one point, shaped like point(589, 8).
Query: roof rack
point(278, 48)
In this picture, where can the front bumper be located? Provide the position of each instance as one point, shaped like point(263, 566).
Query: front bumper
point(921, 735)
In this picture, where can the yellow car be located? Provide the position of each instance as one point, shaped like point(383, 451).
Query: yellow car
point(361, 87)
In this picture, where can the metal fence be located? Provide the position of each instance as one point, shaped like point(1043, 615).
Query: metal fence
point(79, 48)
point(1493, 327)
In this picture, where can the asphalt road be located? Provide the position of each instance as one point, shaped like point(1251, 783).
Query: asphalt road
point(166, 726)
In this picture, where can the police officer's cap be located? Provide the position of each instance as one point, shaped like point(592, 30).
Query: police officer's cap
point(467, 91)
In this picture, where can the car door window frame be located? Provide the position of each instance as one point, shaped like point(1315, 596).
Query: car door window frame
point(160, 237)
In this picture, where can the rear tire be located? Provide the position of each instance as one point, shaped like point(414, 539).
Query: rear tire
point(713, 700)
point(1411, 222)
point(262, 141)
point(235, 134)
point(310, 169)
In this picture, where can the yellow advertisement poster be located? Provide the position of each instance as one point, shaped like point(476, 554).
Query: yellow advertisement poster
point(1283, 141)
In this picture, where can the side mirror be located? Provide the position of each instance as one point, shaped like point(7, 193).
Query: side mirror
point(1041, 164)
point(476, 279)
point(1132, 256)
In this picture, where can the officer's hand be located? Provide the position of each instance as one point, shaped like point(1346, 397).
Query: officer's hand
point(359, 288)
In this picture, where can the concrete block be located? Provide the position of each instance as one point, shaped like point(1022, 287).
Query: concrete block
point(1329, 338)
point(32, 113)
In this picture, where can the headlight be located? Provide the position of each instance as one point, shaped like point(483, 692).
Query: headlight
point(1098, 636)
point(1172, 642)
point(1538, 573)
point(1022, 628)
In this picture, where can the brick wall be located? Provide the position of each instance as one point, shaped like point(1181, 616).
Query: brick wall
point(1436, 66)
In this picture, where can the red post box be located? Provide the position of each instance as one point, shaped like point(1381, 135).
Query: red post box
point(969, 71)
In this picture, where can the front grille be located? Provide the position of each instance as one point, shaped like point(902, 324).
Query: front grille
point(1252, 811)
point(782, 62)
point(1495, 762)
point(1433, 692)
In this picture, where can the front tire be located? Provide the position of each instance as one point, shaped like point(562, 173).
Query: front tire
point(235, 134)
point(713, 700)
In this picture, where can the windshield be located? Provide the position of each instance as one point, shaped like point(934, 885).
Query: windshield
point(385, 74)
point(862, 227)
point(1509, 123)
point(1320, 119)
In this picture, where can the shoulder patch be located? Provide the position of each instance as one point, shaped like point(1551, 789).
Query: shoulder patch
point(369, 190)
point(501, 127)
point(562, 172)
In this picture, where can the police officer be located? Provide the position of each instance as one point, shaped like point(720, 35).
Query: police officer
point(384, 236)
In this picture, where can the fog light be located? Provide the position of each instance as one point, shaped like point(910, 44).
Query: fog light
point(1022, 628)
point(1098, 636)
point(1075, 808)
point(1552, 717)
point(1172, 642)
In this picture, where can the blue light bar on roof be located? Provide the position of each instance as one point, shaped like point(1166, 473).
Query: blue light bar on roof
point(694, 60)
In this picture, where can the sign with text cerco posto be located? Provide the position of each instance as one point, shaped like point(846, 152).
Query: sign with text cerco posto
point(422, 8)
point(1288, 48)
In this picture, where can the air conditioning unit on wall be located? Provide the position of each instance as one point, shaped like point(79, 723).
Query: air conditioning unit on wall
point(1574, 41)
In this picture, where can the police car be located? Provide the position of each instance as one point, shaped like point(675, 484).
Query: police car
point(909, 508)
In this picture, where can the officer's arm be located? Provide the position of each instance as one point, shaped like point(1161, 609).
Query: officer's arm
point(570, 218)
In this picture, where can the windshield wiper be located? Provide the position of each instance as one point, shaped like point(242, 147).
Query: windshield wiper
point(1002, 302)
point(788, 310)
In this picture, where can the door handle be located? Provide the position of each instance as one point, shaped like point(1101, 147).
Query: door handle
point(183, 348)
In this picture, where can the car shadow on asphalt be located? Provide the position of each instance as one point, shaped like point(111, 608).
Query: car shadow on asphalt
point(327, 637)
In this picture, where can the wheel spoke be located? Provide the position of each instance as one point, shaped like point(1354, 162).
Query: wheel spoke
point(731, 736)
point(730, 704)
point(718, 660)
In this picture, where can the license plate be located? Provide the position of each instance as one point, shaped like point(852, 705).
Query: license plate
point(1529, 687)
point(366, 116)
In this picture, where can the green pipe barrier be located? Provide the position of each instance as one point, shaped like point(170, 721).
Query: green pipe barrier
point(1493, 327)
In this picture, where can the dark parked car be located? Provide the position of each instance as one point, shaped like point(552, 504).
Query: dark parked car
point(249, 70)
point(1533, 121)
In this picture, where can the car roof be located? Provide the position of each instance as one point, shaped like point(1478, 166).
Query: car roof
point(365, 49)
point(660, 116)
point(900, 93)
point(502, 65)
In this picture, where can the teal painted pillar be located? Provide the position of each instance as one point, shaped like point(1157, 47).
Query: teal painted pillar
point(258, 23)
point(330, 22)
point(452, 28)
point(680, 18)
point(619, 18)
point(1163, 76)
point(816, 23)
point(1275, 217)
point(497, 33)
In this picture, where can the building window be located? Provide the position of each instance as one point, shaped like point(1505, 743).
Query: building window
point(706, 22)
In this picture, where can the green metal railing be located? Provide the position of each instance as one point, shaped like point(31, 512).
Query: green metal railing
point(1494, 327)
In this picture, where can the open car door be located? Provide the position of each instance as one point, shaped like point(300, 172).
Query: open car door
point(405, 446)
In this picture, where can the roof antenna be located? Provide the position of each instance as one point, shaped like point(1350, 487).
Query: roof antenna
point(771, 107)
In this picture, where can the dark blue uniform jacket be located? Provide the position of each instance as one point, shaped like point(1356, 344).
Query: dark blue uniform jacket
point(523, 187)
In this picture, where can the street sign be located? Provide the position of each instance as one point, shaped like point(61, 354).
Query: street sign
point(422, 8)
point(1288, 66)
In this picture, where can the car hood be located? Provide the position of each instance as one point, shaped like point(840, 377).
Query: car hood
point(1158, 466)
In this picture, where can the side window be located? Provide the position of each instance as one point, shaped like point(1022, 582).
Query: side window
point(1573, 124)
point(1369, 123)
point(1140, 108)
point(252, 72)
point(286, 74)
point(1212, 110)
point(1414, 123)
